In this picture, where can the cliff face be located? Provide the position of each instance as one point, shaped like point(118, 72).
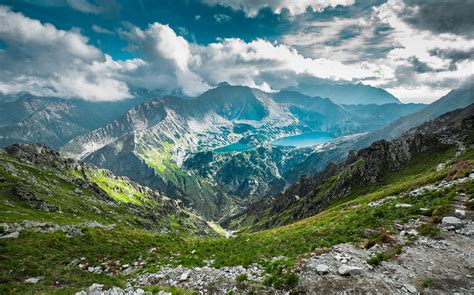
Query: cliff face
point(368, 167)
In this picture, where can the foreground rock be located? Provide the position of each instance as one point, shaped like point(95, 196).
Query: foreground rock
point(98, 289)
point(451, 221)
point(205, 280)
point(444, 266)
point(349, 270)
point(34, 280)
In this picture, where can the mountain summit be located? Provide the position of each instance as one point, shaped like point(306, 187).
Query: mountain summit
point(348, 93)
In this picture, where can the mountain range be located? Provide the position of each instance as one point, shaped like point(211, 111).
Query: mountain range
point(347, 93)
point(168, 143)
point(54, 121)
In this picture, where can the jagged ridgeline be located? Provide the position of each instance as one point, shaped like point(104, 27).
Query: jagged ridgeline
point(37, 184)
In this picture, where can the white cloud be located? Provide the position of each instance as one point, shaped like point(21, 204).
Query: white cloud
point(167, 56)
point(419, 94)
point(410, 44)
point(43, 60)
point(294, 7)
point(84, 6)
point(102, 30)
point(173, 63)
point(260, 61)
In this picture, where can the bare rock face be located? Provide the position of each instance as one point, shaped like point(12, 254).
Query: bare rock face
point(35, 153)
point(33, 200)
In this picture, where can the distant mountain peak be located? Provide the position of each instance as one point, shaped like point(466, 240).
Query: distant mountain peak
point(347, 93)
point(223, 84)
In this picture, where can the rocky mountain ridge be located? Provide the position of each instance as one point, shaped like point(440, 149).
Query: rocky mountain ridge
point(54, 121)
point(354, 94)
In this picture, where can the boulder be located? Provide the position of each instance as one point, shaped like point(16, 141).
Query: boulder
point(74, 232)
point(184, 276)
point(460, 213)
point(95, 288)
point(452, 221)
point(33, 200)
point(34, 280)
point(349, 270)
point(410, 288)
point(322, 269)
point(12, 235)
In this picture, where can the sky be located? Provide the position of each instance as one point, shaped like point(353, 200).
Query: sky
point(102, 50)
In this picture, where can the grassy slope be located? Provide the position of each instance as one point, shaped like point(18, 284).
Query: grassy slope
point(344, 222)
point(198, 192)
point(415, 167)
point(35, 253)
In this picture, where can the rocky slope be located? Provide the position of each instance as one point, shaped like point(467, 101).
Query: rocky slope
point(408, 249)
point(163, 143)
point(362, 170)
point(46, 190)
point(54, 121)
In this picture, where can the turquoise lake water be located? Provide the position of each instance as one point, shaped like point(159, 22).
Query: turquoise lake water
point(235, 147)
point(304, 140)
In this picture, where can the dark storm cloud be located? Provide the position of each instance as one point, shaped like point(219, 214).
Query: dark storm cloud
point(442, 16)
point(455, 55)
point(420, 67)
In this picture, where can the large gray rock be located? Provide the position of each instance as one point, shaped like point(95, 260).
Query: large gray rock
point(34, 280)
point(452, 221)
point(12, 235)
point(184, 276)
point(322, 269)
point(410, 288)
point(349, 270)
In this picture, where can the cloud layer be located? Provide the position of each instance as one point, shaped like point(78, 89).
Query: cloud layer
point(418, 51)
point(41, 59)
point(416, 61)
point(44, 60)
point(294, 7)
